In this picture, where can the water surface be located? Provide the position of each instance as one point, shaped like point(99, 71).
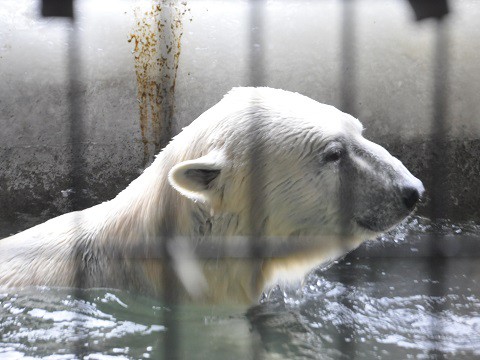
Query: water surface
point(388, 300)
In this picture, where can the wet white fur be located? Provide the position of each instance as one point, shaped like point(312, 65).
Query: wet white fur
point(300, 204)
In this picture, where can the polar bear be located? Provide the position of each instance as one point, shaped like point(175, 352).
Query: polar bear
point(260, 189)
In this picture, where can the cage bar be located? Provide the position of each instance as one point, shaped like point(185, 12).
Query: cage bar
point(77, 166)
point(438, 188)
point(257, 176)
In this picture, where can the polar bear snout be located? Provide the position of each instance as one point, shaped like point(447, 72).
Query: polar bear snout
point(411, 192)
point(410, 196)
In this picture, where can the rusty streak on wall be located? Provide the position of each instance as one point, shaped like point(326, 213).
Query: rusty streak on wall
point(156, 37)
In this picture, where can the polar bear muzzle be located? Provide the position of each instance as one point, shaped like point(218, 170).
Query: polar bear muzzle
point(382, 191)
point(411, 196)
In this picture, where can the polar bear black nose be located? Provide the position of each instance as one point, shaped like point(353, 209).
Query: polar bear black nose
point(410, 196)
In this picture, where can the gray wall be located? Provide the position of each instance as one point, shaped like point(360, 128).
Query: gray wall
point(301, 49)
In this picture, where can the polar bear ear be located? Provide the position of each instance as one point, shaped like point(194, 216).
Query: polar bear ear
point(193, 178)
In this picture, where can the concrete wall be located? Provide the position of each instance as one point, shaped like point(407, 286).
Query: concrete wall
point(301, 48)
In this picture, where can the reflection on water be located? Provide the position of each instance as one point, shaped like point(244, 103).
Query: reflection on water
point(376, 307)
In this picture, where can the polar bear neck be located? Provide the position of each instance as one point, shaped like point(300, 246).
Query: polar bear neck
point(149, 207)
point(148, 211)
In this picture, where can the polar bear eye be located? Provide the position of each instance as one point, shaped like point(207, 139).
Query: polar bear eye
point(334, 155)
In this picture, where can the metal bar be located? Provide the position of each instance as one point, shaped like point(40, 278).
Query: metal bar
point(257, 175)
point(347, 75)
point(257, 179)
point(64, 8)
point(76, 129)
point(170, 287)
point(256, 43)
point(77, 167)
point(418, 246)
point(347, 334)
point(167, 231)
point(438, 188)
point(437, 9)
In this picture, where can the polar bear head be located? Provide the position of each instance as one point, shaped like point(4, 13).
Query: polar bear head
point(286, 165)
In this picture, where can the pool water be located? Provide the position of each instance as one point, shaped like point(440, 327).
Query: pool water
point(388, 300)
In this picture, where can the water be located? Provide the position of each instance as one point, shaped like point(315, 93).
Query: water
point(377, 303)
point(386, 313)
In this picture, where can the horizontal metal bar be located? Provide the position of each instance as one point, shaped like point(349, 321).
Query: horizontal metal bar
point(450, 246)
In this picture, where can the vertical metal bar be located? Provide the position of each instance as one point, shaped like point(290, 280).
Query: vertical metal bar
point(257, 180)
point(77, 167)
point(255, 152)
point(438, 188)
point(76, 135)
point(170, 288)
point(437, 9)
point(168, 231)
point(257, 56)
point(347, 194)
point(76, 129)
point(347, 76)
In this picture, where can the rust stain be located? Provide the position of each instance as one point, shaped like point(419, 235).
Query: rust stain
point(156, 39)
